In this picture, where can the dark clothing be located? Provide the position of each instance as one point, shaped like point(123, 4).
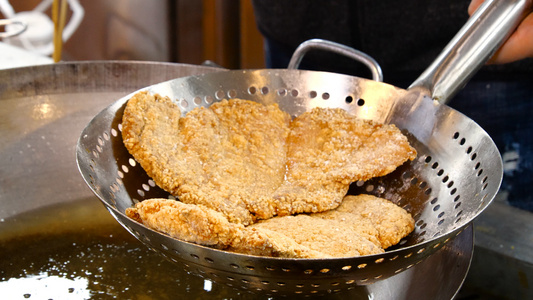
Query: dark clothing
point(405, 37)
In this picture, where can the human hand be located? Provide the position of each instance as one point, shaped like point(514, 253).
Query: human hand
point(520, 43)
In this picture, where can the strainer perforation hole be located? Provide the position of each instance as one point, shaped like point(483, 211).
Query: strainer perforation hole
point(120, 174)
point(140, 193)
point(270, 269)
point(469, 150)
point(100, 141)
point(295, 93)
point(250, 268)
point(151, 183)
point(114, 132)
point(282, 92)
point(325, 96)
point(346, 268)
point(379, 260)
point(132, 162)
point(484, 179)
point(348, 99)
point(407, 175)
point(351, 281)
point(394, 257)
point(453, 191)
point(252, 90)
point(324, 271)
point(434, 200)
point(308, 272)
point(477, 166)
point(361, 266)
point(313, 94)
point(440, 222)
point(234, 266)
point(208, 99)
point(195, 256)
point(428, 159)
point(145, 187)
point(232, 94)
point(209, 260)
point(445, 179)
point(363, 280)
point(378, 277)
point(435, 165)
point(441, 215)
point(315, 285)
point(480, 172)
point(281, 283)
point(459, 214)
point(164, 246)
point(245, 281)
point(428, 191)
point(440, 172)
point(197, 101)
point(457, 198)
point(485, 186)
point(423, 184)
point(361, 102)
point(422, 233)
point(414, 181)
point(184, 103)
point(369, 188)
point(450, 184)
point(335, 283)
point(473, 157)
point(456, 135)
point(420, 222)
point(299, 285)
point(437, 207)
point(398, 271)
point(125, 168)
point(230, 278)
point(423, 226)
point(265, 282)
point(265, 90)
point(119, 127)
point(219, 94)
point(99, 148)
point(176, 252)
point(285, 269)
point(420, 250)
point(462, 141)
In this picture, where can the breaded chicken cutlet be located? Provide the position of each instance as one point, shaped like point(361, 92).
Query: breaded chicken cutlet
point(250, 162)
point(349, 230)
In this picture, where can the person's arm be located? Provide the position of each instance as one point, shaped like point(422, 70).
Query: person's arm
point(520, 43)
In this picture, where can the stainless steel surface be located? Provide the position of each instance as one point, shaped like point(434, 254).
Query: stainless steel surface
point(42, 112)
point(474, 44)
point(455, 177)
point(319, 44)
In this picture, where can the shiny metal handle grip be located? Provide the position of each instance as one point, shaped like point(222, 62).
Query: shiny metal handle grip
point(330, 46)
point(476, 42)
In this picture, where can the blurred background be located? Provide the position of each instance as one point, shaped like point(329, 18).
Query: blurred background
point(223, 32)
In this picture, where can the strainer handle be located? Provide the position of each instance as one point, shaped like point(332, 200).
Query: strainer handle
point(321, 44)
point(476, 42)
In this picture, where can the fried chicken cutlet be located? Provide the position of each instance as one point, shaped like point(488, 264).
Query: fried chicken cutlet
point(249, 161)
point(349, 230)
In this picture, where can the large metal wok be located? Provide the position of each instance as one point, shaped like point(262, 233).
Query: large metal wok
point(455, 177)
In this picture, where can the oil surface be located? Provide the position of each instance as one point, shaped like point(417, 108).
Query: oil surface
point(78, 251)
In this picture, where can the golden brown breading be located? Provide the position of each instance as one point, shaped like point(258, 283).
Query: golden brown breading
point(391, 221)
point(188, 222)
point(225, 157)
point(349, 230)
point(242, 159)
point(327, 150)
point(327, 236)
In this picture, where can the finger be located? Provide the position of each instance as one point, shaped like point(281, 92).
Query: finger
point(474, 4)
point(518, 46)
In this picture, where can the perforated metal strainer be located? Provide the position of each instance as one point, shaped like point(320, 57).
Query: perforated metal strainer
point(455, 177)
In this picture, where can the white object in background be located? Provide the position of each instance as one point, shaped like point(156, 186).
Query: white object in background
point(15, 57)
point(38, 37)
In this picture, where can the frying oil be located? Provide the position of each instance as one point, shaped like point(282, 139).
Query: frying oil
point(78, 251)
